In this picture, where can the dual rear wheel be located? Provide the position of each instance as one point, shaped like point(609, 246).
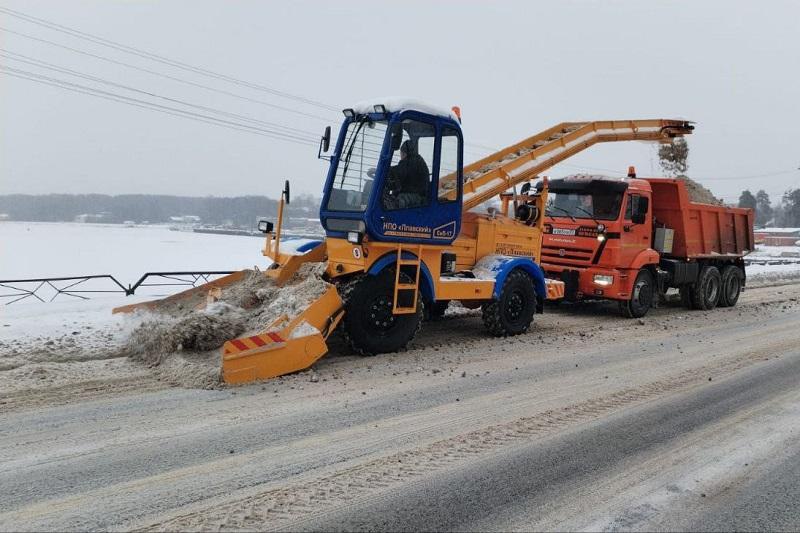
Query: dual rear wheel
point(714, 288)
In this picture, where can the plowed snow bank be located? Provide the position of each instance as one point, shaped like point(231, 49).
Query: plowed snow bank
point(183, 343)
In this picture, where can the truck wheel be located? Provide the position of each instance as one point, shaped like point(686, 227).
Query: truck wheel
point(512, 313)
point(369, 325)
point(707, 290)
point(641, 297)
point(732, 281)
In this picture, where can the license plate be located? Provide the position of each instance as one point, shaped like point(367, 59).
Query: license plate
point(563, 231)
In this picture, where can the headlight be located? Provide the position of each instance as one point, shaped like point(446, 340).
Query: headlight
point(264, 226)
point(601, 237)
point(354, 237)
point(601, 228)
point(603, 280)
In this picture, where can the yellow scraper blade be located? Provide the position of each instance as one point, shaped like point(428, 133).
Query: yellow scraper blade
point(282, 350)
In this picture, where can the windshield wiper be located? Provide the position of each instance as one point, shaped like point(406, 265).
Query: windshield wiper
point(588, 213)
point(563, 211)
point(350, 148)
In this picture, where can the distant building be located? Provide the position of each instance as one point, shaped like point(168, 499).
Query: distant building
point(5, 216)
point(91, 217)
point(185, 219)
point(777, 236)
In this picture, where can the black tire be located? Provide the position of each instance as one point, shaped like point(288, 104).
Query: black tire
point(512, 313)
point(706, 292)
point(732, 282)
point(641, 296)
point(369, 325)
point(436, 310)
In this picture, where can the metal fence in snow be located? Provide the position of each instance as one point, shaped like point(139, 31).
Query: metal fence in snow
point(83, 287)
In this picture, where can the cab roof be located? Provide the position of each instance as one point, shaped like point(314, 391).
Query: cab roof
point(583, 182)
point(396, 103)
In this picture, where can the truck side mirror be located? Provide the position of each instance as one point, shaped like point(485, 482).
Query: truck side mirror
point(324, 143)
point(326, 139)
point(639, 211)
point(286, 191)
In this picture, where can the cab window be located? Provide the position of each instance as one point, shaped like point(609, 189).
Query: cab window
point(629, 208)
point(448, 166)
point(408, 180)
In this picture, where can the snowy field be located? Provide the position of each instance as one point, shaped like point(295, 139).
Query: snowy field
point(48, 250)
point(39, 249)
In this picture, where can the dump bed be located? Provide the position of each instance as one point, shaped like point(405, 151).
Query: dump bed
point(700, 230)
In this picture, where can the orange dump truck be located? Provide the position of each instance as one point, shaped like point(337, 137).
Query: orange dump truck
point(632, 239)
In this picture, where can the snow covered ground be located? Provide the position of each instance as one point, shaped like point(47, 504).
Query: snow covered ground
point(774, 262)
point(40, 249)
point(56, 343)
point(68, 340)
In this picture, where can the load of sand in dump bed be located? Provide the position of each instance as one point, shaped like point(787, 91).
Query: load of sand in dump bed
point(182, 343)
point(698, 193)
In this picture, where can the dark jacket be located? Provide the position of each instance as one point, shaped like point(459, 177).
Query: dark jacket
point(410, 175)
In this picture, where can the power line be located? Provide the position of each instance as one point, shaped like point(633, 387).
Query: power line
point(160, 59)
point(162, 75)
point(43, 64)
point(46, 80)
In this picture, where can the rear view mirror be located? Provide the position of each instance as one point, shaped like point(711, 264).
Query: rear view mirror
point(639, 209)
point(324, 143)
point(326, 139)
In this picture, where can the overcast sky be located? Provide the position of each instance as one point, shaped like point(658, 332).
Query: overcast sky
point(514, 68)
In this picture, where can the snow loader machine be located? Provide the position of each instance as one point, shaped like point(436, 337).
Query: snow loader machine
point(407, 231)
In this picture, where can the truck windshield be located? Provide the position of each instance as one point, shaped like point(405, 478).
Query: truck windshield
point(595, 205)
point(361, 150)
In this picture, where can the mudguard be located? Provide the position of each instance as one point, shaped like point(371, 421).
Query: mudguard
point(499, 266)
point(644, 258)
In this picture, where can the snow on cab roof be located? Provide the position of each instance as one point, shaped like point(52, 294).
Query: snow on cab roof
point(397, 103)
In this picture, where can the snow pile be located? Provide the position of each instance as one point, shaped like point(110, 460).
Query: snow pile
point(400, 103)
point(183, 342)
point(488, 267)
point(698, 193)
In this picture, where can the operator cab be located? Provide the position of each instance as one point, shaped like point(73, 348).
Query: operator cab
point(395, 174)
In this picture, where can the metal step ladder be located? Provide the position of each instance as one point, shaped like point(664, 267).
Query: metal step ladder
point(406, 292)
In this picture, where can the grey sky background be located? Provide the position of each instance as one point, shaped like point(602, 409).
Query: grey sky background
point(515, 68)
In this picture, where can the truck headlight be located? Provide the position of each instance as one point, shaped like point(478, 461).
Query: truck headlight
point(354, 237)
point(603, 280)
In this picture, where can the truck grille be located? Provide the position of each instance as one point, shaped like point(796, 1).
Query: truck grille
point(563, 255)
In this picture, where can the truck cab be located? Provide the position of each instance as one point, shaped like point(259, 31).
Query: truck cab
point(395, 175)
point(598, 234)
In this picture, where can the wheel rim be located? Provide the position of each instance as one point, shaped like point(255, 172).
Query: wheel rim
point(641, 294)
point(379, 314)
point(733, 288)
point(712, 289)
point(515, 305)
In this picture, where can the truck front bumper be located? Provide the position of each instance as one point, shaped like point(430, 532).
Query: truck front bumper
point(611, 283)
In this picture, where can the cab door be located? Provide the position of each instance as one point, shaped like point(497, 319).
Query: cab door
point(635, 237)
point(400, 215)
